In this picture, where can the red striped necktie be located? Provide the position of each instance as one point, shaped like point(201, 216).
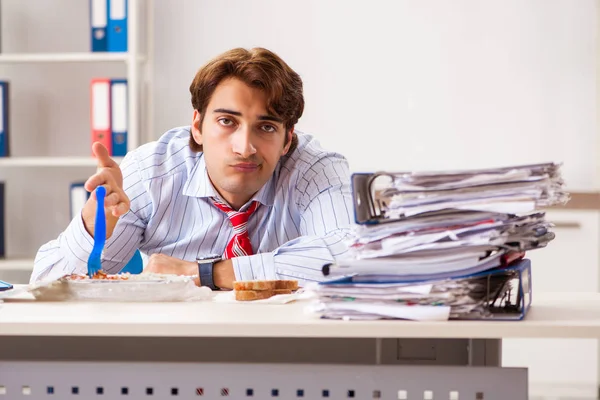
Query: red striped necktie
point(239, 245)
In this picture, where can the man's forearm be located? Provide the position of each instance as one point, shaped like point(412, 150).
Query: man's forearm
point(301, 259)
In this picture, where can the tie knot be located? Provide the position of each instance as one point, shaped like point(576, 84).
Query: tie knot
point(239, 245)
point(237, 218)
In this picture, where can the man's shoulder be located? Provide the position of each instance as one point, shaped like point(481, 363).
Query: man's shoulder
point(169, 155)
point(310, 154)
point(312, 169)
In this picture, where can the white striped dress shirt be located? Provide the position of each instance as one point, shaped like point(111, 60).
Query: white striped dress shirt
point(302, 223)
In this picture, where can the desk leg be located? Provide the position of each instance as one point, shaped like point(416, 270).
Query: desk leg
point(485, 352)
point(378, 350)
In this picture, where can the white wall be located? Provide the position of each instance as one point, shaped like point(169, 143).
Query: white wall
point(410, 84)
point(395, 85)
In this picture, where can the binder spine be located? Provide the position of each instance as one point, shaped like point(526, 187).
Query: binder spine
point(4, 119)
point(119, 116)
point(98, 25)
point(2, 220)
point(78, 196)
point(100, 112)
point(117, 25)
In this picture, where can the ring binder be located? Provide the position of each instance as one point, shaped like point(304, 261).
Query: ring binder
point(506, 293)
point(372, 204)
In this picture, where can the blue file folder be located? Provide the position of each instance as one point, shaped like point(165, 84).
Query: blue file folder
point(78, 196)
point(117, 25)
point(98, 25)
point(2, 220)
point(513, 307)
point(4, 119)
point(118, 118)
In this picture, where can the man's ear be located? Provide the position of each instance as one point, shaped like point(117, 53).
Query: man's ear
point(196, 125)
point(288, 141)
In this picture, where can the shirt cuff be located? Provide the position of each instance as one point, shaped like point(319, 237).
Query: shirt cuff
point(256, 267)
point(77, 243)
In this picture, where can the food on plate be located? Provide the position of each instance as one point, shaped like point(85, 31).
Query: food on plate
point(126, 276)
point(100, 275)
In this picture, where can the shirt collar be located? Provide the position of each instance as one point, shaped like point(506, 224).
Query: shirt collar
point(199, 185)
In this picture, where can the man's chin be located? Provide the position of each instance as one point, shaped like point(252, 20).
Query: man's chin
point(242, 187)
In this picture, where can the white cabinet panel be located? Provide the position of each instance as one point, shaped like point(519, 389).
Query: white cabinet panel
point(565, 367)
point(570, 262)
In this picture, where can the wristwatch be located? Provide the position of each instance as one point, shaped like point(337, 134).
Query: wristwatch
point(205, 270)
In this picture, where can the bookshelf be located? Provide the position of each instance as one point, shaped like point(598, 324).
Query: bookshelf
point(16, 264)
point(135, 63)
point(50, 161)
point(66, 57)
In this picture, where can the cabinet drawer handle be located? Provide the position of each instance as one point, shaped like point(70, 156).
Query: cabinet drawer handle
point(567, 225)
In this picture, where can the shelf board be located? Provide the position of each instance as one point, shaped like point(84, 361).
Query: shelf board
point(17, 264)
point(65, 57)
point(50, 161)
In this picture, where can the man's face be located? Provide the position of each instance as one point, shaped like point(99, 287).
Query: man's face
point(242, 143)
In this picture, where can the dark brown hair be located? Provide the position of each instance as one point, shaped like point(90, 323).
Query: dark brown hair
point(258, 68)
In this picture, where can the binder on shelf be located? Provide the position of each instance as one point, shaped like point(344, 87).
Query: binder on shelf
point(4, 119)
point(78, 196)
point(2, 220)
point(119, 115)
point(98, 25)
point(100, 112)
point(117, 25)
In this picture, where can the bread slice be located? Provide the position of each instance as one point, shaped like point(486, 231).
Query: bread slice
point(249, 295)
point(266, 285)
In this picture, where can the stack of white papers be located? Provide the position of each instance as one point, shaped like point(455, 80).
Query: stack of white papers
point(430, 300)
point(438, 229)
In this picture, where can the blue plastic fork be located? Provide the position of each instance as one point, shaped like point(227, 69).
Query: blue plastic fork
point(94, 261)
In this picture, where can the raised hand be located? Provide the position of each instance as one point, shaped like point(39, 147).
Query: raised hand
point(116, 202)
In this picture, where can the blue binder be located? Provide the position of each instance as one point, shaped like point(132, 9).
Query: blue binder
point(2, 220)
point(117, 25)
point(98, 25)
point(78, 196)
point(503, 307)
point(4, 119)
point(119, 117)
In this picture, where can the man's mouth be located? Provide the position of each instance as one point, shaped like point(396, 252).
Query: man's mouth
point(245, 167)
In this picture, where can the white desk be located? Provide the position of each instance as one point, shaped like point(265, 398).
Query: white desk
point(121, 333)
point(559, 315)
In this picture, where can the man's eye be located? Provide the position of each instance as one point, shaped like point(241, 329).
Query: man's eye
point(225, 121)
point(269, 128)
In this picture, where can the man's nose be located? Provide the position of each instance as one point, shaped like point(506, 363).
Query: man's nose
point(242, 142)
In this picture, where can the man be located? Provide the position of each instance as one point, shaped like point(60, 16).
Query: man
point(239, 189)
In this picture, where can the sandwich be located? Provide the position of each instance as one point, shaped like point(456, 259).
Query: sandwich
point(259, 290)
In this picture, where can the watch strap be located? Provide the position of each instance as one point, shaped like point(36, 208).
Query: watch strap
point(205, 271)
